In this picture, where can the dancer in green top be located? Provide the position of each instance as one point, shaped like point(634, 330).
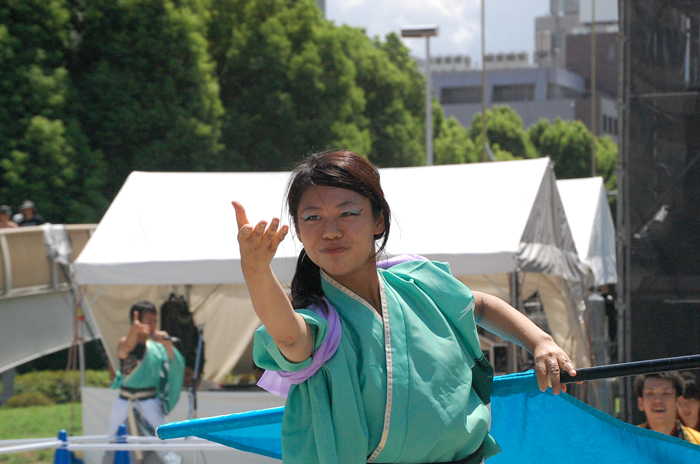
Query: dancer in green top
point(150, 374)
point(404, 379)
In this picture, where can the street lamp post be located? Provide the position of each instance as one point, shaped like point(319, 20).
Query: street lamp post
point(426, 31)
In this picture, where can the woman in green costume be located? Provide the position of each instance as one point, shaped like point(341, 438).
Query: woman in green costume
point(384, 363)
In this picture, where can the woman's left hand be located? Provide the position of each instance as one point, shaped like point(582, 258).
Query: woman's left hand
point(550, 359)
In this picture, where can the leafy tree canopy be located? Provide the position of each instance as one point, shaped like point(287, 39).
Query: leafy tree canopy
point(43, 154)
point(505, 133)
point(143, 86)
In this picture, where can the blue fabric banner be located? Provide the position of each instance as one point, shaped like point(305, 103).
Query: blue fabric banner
point(530, 426)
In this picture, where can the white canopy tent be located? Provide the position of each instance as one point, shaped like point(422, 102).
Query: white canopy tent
point(175, 229)
point(592, 226)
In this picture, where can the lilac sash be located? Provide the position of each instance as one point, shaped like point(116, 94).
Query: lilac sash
point(279, 382)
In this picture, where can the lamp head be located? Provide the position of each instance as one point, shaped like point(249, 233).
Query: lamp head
point(424, 30)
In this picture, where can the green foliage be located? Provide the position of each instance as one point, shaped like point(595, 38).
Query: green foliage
point(568, 144)
point(287, 85)
point(42, 151)
point(143, 87)
point(28, 399)
point(606, 166)
point(451, 142)
point(57, 385)
point(505, 133)
point(606, 161)
point(295, 83)
point(90, 91)
point(395, 93)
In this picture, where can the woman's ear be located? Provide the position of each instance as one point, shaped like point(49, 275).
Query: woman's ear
point(379, 225)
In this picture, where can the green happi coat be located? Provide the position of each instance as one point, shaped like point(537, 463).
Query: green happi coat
point(439, 382)
point(157, 371)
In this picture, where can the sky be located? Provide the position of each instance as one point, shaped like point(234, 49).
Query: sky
point(510, 24)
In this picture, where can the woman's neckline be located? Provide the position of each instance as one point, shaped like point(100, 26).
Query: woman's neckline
point(357, 297)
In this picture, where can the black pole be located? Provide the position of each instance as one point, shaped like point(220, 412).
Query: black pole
point(193, 386)
point(632, 368)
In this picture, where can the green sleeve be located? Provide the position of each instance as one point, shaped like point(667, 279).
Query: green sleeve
point(268, 356)
point(176, 374)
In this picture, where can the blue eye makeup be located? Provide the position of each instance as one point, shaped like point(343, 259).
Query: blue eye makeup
point(352, 212)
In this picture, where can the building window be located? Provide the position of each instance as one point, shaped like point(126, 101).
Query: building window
point(452, 95)
point(518, 92)
point(557, 92)
point(610, 125)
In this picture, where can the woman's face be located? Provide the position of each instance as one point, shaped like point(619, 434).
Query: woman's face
point(337, 228)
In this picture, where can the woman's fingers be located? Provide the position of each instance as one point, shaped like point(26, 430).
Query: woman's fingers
point(260, 236)
point(542, 375)
point(279, 236)
point(553, 374)
point(241, 217)
point(550, 360)
point(260, 229)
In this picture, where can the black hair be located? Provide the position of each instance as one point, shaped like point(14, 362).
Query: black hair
point(339, 169)
point(673, 377)
point(142, 307)
point(691, 385)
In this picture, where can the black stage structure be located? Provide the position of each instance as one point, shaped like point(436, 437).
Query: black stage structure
point(658, 214)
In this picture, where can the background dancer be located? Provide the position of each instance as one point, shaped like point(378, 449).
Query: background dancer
point(149, 378)
point(384, 364)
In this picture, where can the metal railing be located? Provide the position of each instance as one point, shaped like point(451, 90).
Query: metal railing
point(108, 443)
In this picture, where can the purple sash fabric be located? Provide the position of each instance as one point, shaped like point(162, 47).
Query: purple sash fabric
point(279, 382)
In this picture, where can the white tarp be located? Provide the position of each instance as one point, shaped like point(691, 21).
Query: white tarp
point(37, 311)
point(592, 225)
point(179, 228)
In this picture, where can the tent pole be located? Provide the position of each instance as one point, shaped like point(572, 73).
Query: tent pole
point(81, 351)
point(513, 352)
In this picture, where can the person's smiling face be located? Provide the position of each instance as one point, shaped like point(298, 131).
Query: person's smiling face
point(689, 410)
point(658, 402)
point(337, 228)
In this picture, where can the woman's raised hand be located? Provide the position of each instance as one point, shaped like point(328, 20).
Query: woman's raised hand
point(258, 243)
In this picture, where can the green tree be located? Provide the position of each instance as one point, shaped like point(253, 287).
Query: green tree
point(43, 154)
point(606, 166)
point(451, 142)
point(535, 131)
point(287, 86)
point(568, 144)
point(606, 161)
point(504, 130)
point(143, 85)
point(395, 105)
